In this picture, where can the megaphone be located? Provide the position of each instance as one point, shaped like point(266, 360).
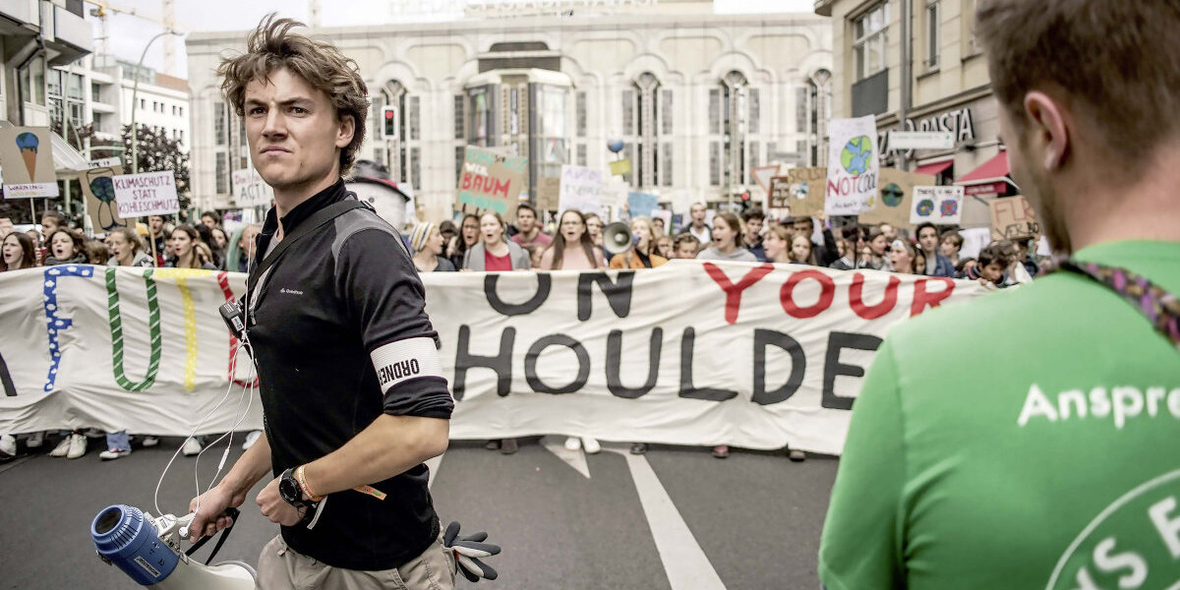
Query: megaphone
point(148, 549)
point(617, 238)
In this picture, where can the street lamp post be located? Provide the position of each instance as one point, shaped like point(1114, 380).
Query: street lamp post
point(135, 102)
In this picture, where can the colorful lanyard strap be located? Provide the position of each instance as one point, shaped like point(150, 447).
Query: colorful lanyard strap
point(1160, 307)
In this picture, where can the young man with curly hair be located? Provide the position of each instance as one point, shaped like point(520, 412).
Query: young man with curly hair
point(352, 389)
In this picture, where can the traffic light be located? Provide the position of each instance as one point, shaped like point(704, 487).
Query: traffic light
point(746, 202)
point(389, 122)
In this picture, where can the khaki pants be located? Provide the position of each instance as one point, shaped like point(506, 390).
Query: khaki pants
point(281, 568)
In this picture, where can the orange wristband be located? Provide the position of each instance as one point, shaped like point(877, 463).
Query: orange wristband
point(301, 478)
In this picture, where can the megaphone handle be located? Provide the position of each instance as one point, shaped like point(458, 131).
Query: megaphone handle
point(233, 513)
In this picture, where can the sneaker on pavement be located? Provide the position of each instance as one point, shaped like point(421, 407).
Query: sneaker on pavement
point(638, 448)
point(251, 439)
point(191, 447)
point(591, 445)
point(573, 443)
point(797, 456)
point(35, 440)
point(8, 444)
point(112, 454)
point(77, 445)
point(492, 445)
point(62, 448)
point(508, 446)
point(721, 451)
point(150, 441)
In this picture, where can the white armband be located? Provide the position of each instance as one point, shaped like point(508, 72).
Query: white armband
point(404, 360)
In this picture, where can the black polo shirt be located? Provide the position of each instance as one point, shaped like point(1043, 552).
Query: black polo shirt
point(341, 337)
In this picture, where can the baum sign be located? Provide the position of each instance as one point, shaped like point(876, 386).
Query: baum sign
point(491, 181)
point(149, 193)
point(758, 356)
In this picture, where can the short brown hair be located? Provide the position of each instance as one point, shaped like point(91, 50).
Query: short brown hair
point(1119, 61)
point(272, 46)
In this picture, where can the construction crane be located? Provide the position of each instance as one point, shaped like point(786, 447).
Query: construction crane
point(103, 9)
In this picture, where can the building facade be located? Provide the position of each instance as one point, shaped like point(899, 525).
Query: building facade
point(698, 99)
point(948, 82)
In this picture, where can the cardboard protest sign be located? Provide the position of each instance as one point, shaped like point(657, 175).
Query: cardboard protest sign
point(250, 190)
point(491, 181)
point(940, 205)
point(806, 191)
point(98, 187)
point(1012, 218)
point(26, 154)
point(147, 193)
point(548, 193)
point(780, 192)
point(893, 201)
point(852, 165)
point(642, 204)
point(581, 189)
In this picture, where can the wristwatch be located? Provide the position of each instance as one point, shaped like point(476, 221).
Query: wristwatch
point(290, 491)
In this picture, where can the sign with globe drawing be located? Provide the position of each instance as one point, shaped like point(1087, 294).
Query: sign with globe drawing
point(940, 205)
point(852, 165)
point(893, 203)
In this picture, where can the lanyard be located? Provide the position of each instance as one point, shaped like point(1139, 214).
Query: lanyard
point(1161, 308)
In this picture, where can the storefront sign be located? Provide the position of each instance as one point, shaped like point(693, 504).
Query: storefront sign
point(959, 123)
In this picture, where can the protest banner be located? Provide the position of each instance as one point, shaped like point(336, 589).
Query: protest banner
point(26, 155)
point(491, 181)
point(807, 191)
point(250, 190)
point(641, 204)
point(692, 353)
point(940, 205)
point(98, 187)
point(894, 201)
point(581, 189)
point(548, 193)
point(147, 193)
point(852, 165)
point(1013, 218)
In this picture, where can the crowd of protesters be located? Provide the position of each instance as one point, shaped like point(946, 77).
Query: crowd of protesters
point(572, 241)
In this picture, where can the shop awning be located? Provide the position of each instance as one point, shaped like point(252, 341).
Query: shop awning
point(990, 177)
point(934, 169)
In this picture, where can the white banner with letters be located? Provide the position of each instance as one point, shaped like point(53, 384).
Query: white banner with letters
point(755, 356)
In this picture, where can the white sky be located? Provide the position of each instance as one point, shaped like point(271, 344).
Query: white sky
point(129, 34)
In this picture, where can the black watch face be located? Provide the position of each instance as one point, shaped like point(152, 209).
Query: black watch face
point(289, 490)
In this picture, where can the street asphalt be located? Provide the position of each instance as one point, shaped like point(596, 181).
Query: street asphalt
point(755, 516)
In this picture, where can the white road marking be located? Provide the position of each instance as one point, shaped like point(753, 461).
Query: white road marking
point(684, 561)
point(575, 459)
point(433, 463)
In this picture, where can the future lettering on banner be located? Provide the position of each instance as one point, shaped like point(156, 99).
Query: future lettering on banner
point(692, 353)
point(491, 181)
point(147, 193)
point(852, 165)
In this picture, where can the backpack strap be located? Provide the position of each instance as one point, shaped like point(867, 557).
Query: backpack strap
point(316, 220)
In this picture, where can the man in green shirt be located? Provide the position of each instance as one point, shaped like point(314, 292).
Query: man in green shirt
point(1030, 439)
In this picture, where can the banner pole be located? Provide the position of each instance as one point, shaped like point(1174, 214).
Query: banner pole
point(33, 212)
point(152, 240)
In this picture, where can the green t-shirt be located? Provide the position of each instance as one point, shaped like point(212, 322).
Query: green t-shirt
point(1027, 439)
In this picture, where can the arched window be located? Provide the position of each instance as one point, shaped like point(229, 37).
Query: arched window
point(647, 131)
